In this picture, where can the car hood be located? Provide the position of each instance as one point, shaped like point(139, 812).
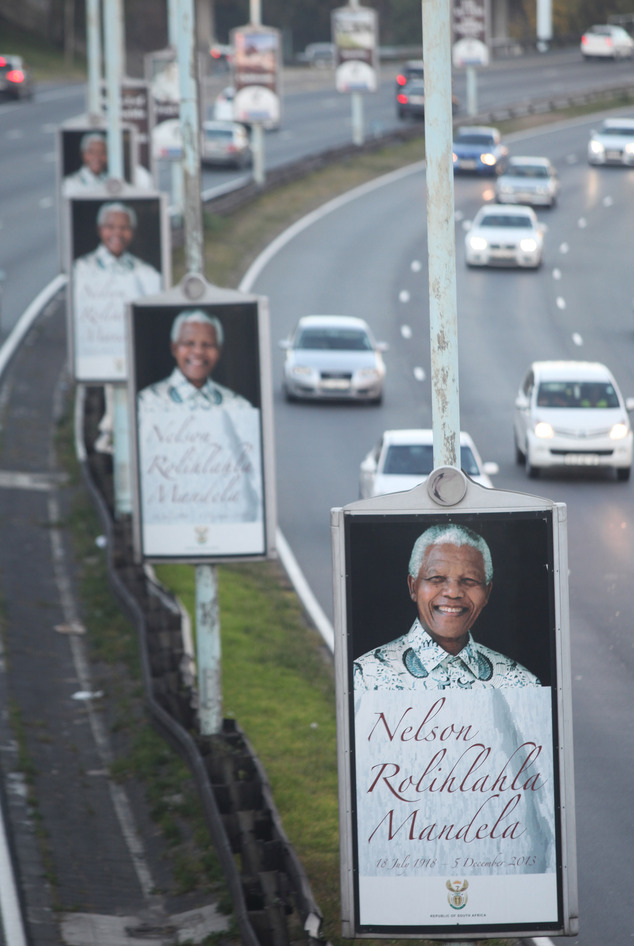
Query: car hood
point(504, 234)
point(613, 141)
point(474, 151)
point(582, 421)
point(389, 483)
point(333, 360)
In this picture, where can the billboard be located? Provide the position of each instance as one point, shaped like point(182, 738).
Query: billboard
point(453, 702)
point(119, 250)
point(355, 37)
point(201, 409)
point(256, 75)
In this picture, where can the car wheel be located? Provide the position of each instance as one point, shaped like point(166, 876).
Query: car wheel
point(623, 474)
point(519, 454)
point(532, 472)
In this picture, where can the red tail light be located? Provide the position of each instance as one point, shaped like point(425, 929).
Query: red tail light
point(15, 75)
point(401, 80)
point(402, 99)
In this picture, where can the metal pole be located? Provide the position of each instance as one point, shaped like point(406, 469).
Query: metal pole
point(93, 51)
point(113, 29)
point(472, 91)
point(176, 167)
point(190, 131)
point(356, 103)
point(441, 238)
point(257, 130)
point(208, 650)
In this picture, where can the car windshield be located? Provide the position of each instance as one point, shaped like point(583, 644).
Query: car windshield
point(507, 220)
point(333, 339)
point(619, 130)
point(528, 170)
point(595, 394)
point(218, 134)
point(485, 140)
point(418, 460)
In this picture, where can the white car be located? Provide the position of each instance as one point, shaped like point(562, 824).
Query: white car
point(333, 357)
point(225, 143)
point(607, 42)
point(531, 181)
point(505, 236)
point(403, 459)
point(571, 414)
point(612, 143)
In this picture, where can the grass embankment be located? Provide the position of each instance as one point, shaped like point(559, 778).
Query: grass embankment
point(46, 63)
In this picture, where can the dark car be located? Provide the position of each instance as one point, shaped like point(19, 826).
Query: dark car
point(410, 100)
point(15, 78)
point(412, 69)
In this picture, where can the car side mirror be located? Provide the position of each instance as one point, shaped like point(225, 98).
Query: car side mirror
point(521, 402)
point(284, 344)
point(467, 224)
point(629, 403)
point(490, 467)
point(382, 346)
point(368, 465)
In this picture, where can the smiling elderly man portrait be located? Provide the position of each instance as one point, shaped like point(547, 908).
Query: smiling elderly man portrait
point(450, 580)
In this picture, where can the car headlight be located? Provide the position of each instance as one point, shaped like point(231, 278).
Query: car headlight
point(629, 147)
point(528, 245)
point(488, 159)
point(478, 243)
point(368, 374)
point(596, 147)
point(619, 431)
point(543, 430)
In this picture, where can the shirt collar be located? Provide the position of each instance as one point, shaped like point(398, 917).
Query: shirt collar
point(429, 655)
point(107, 260)
point(181, 390)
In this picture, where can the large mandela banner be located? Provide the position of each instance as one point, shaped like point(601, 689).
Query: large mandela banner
point(453, 699)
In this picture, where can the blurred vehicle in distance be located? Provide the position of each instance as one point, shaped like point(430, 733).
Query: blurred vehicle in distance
point(505, 236)
point(412, 69)
point(527, 180)
point(402, 459)
point(223, 110)
point(606, 42)
point(225, 143)
point(410, 100)
point(333, 357)
point(319, 55)
point(167, 143)
point(571, 414)
point(15, 78)
point(220, 58)
point(612, 143)
point(479, 149)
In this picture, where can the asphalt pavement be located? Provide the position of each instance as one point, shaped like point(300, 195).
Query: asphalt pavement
point(92, 866)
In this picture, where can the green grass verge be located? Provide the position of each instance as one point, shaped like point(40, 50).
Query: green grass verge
point(46, 63)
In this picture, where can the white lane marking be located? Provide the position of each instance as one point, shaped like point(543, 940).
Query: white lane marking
point(49, 128)
point(608, 201)
point(564, 248)
point(49, 157)
point(582, 223)
point(46, 202)
point(556, 273)
point(403, 296)
point(419, 373)
point(561, 302)
point(577, 339)
point(458, 216)
point(571, 159)
point(416, 266)
point(406, 331)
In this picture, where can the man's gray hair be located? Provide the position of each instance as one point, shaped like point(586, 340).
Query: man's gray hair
point(452, 534)
point(88, 139)
point(116, 206)
point(197, 315)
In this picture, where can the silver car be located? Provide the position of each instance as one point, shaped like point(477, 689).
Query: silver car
point(331, 357)
point(505, 236)
point(225, 143)
point(531, 181)
point(402, 459)
point(570, 414)
point(612, 143)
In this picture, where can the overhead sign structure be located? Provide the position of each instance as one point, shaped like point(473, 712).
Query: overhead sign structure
point(355, 37)
point(471, 33)
point(201, 407)
point(454, 714)
point(256, 66)
point(119, 250)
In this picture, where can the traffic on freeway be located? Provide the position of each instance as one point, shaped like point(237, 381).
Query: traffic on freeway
point(508, 319)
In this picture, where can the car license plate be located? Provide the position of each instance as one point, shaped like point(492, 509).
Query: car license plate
point(467, 163)
point(613, 155)
point(417, 99)
point(581, 459)
point(336, 385)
